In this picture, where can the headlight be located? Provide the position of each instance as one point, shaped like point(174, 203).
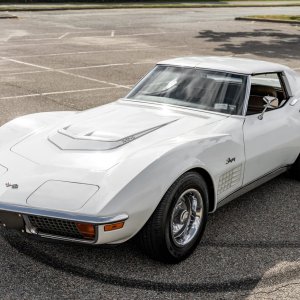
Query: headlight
point(62, 195)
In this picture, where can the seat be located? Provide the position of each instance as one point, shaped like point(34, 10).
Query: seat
point(257, 93)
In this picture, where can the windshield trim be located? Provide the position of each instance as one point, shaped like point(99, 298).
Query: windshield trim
point(174, 106)
point(244, 104)
point(201, 68)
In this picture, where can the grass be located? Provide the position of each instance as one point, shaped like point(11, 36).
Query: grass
point(287, 18)
point(153, 4)
point(120, 2)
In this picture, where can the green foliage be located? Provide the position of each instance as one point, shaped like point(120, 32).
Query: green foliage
point(277, 17)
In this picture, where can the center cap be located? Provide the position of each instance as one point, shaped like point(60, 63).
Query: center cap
point(184, 216)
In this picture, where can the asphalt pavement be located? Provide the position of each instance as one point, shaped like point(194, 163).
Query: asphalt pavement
point(74, 60)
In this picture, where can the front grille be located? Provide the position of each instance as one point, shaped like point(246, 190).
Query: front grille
point(55, 227)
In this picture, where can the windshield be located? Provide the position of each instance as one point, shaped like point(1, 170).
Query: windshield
point(195, 88)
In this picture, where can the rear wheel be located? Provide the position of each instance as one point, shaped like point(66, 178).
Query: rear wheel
point(177, 225)
point(295, 171)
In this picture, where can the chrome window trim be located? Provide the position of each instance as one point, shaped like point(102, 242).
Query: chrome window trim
point(247, 96)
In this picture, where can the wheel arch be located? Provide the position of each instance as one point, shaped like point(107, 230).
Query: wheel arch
point(210, 186)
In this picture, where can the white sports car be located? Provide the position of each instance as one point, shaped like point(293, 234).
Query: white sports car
point(192, 135)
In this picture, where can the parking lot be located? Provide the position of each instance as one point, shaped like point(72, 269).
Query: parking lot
point(74, 60)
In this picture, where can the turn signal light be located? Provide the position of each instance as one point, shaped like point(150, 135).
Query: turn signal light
point(114, 226)
point(86, 230)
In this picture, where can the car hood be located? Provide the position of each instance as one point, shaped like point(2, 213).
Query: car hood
point(109, 128)
point(99, 138)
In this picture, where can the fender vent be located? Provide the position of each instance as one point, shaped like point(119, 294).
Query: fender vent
point(229, 179)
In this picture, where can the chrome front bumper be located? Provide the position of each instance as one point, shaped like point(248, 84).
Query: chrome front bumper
point(25, 212)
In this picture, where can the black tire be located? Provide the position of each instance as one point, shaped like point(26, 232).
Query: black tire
point(295, 171)
point(156, 238)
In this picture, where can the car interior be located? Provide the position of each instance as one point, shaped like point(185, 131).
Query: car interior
point(259, 91)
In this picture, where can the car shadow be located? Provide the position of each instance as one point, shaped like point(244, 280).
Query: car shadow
point(244, 244)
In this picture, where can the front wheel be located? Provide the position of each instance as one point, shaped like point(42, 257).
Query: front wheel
point(177, 225)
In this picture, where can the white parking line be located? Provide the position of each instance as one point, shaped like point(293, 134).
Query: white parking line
point(51, 34)
point(67, 73)
point(22, 44)
point(99, 51)
point(79, 91)
point(78, 32)
point(133, 34)
point(25, 40)
point(22, 73)
point(146, 63)
point(25, 63)
point(92, 79)
point(73, 68)
point(90, 36)
point(108, 65)
point(56, 93)
point(97, 66)
point(20, 96)
point(64, 35)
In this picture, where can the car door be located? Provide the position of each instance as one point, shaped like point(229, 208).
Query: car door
point(272, 139)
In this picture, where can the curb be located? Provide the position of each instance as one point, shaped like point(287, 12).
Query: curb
point(144, 6)
point(267, 20)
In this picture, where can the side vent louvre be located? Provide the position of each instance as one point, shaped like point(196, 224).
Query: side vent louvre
point(229, 179)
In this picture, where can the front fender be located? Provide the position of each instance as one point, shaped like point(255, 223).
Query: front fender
point(138, 197)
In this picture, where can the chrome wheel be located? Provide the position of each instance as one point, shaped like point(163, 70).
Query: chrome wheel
point(186, 217)
point(178, 223)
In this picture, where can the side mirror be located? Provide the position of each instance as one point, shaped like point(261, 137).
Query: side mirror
point(271, 103)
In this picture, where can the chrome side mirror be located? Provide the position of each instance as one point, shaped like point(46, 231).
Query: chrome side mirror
point(271, 103)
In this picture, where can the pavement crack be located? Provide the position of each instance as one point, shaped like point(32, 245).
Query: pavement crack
point(272, 291)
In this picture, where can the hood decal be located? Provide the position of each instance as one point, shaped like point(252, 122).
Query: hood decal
point(66, 141)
